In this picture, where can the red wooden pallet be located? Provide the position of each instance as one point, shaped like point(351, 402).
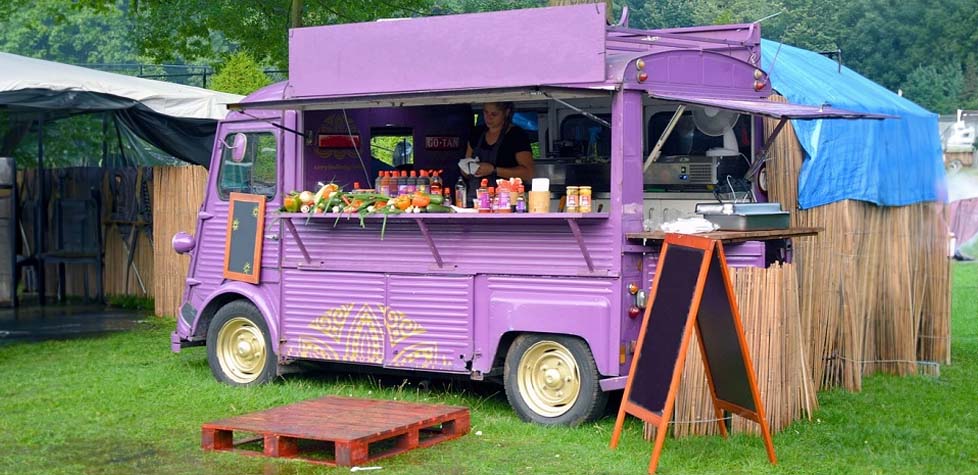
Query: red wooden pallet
point(354, 431)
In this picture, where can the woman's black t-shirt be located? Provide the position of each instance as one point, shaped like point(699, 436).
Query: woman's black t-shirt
point(514, 141)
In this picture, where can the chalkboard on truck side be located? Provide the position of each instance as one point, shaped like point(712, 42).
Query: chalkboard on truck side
point(242, 246)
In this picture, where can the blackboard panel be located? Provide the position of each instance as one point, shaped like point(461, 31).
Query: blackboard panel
point(720, 340)
point(242, 252)
point(678, 272)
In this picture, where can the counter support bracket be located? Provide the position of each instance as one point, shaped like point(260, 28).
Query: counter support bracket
point(298, 240)
point(431, 243)
point(580, 242)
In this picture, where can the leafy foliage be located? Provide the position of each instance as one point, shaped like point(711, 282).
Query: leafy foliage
point(894, 43)
point(937, 87)
point(240, 75)
point(47, 29)
point(165, 31)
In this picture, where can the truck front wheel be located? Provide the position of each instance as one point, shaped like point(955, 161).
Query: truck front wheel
point(239, 349)
point(553, 380)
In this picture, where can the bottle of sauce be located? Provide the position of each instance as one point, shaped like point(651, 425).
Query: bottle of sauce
point(412, 182)
point(502, 202)
point(435, 184)
point(385, 184)
point(493, 200)
point(423, 182)
point(448, 197)
point(520, 200)
point(460, 193)
point(482, 197)
point(378, 182)
point(402, 183)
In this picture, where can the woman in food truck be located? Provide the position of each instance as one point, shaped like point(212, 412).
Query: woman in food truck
point(502, 148)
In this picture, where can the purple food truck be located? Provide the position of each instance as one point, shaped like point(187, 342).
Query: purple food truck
point(548, 304)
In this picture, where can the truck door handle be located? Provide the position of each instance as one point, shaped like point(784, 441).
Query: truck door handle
point(271, 237)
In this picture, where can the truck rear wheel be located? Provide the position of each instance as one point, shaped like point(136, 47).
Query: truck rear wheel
point(239, 349)
point(553, 380)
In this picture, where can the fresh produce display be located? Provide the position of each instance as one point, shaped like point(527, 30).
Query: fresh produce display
point(332, 199)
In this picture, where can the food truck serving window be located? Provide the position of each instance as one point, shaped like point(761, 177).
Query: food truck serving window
point(248, 164)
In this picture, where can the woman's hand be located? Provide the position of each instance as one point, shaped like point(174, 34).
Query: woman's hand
point(485, 169)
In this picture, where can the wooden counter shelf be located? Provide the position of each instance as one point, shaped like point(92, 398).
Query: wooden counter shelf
point(734, 236)
point(422, 219)
point(448, 216)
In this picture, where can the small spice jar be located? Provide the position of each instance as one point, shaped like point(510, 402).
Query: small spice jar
point(573, 195)
point(584, 199)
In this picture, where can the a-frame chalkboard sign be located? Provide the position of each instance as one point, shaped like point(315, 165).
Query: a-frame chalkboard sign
point(691, 290)
point(242, 248)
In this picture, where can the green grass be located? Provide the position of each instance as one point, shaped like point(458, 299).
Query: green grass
point(124, 404)
point(133, 302)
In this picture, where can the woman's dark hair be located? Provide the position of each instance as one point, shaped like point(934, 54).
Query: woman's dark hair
point(506, 107)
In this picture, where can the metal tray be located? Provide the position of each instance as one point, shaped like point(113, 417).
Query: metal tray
point(750, 222)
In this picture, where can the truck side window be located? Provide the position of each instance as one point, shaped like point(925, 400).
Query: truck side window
point(394, 146)
point(255, 173)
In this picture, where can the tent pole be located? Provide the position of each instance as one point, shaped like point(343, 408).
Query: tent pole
point(40, 211)
point(105, 139)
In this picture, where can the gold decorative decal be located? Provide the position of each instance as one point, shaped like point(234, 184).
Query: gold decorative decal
point(234, 225)
point(420, 355)
point(246, 268)
point(312, 349)
point(254, 212)
point(331, 323)
point(366, 337)
point(357, 335)
point(400, 328)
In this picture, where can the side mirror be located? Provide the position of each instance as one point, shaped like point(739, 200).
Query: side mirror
point(239, 144)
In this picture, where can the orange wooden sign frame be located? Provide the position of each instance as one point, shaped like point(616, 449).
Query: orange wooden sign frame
point(253, 275)
point(661, 421)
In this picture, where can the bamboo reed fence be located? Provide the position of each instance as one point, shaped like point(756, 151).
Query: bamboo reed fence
point(876, 281)
point(178, 193)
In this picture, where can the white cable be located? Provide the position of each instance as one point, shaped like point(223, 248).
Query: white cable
point(349, 133)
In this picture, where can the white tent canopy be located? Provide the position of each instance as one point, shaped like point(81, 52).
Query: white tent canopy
point(175, 100)
point(176, 119)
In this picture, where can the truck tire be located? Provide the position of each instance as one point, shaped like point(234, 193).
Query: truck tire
point(553, 380)
point(239, 348)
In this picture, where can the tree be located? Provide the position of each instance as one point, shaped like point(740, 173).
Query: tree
point(660, 14)
point(240, 75)
point(936, 88)
point(46, 29)
point(164, 30)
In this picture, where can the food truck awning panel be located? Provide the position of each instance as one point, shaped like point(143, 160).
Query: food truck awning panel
point(426, 98)
point(559, 45)
point(778, 110)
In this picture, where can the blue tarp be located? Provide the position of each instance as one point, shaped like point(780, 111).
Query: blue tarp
point(891, 162)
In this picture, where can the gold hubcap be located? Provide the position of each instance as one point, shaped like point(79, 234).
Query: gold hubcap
point(549, 379)
point(241, 350)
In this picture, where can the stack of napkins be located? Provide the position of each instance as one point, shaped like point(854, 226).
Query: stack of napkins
point(469, 165)
point(689, 226)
